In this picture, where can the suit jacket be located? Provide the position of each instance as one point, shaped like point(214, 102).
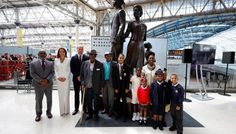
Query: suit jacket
point(97, 77)
point(38, 74)
point(157, 95)
point(112, 65)
point(168, 92)
point(123, 84)
point(75, 65)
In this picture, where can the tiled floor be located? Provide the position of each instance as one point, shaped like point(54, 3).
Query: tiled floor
point(17, 117)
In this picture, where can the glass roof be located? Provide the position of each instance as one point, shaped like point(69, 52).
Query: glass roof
point(105, 4)
point(98, 3)
point(52, 21)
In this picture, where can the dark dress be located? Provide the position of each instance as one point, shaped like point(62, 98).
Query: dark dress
point(135, 50)
point(157, 97)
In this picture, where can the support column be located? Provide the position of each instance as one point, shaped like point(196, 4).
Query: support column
point(98, 21)
point(18, 29)
point(162, 8)
point(77, 21)
point(3, 38)
point(70, 44)
point(77, 33)
point(214, 5)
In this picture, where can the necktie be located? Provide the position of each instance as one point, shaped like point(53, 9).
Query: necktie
point(43, 64)
point(80, 58)
point(121, 70)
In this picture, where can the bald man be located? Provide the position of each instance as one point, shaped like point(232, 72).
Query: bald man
point(42, 72)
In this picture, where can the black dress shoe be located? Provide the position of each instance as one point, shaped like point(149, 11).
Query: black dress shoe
point(154, 125)
point(145, 123)
point(172, 128)
point(38, 118)
point(160, 126)
point(96, 118)
point(75, 112)
point(49, 115)
point(140, 122)
point(88, 117)
point(164, 124)
point(124, 120)
point(117, 117)
point(110, 114)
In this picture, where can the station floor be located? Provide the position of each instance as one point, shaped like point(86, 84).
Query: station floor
point(218, 116)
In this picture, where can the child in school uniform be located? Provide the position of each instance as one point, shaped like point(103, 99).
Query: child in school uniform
point(176, 108)
point(143, 94)
point(157, 96)
point(167, 97)
point(135, 83)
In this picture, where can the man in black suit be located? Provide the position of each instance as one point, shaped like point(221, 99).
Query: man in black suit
point(92, 79)
point(121, 79)
point(75, 65)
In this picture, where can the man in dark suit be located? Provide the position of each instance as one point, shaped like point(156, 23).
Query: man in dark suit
point(92, 80)
point(117, 29)
point(75, 65)
point(42, 72)
point(121, 85)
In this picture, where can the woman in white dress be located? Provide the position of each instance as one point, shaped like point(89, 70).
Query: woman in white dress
point(62, 73)
point(150, 68)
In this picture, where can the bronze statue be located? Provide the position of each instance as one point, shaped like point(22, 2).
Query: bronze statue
point(117, 29)
point(135, 49)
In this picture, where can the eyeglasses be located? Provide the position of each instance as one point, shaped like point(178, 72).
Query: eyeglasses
point(42, 53)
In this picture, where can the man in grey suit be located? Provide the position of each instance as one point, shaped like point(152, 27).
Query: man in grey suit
point(42, 72)
point(92, 80)
point(117, 29)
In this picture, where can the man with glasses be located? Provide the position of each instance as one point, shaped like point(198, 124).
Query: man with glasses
point(42, 72)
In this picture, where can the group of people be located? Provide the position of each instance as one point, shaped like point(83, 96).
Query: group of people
point(157, 96)
point(10, 64)
point(114, 80)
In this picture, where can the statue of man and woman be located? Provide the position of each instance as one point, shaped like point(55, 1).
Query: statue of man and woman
point(135, 50)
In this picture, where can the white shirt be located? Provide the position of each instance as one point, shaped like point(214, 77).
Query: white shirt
point(175, 84)
point(120, 70)
point(41, 61)
point(80, 58)
point(91, 65)
point(159, 83)
point(150, 74)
